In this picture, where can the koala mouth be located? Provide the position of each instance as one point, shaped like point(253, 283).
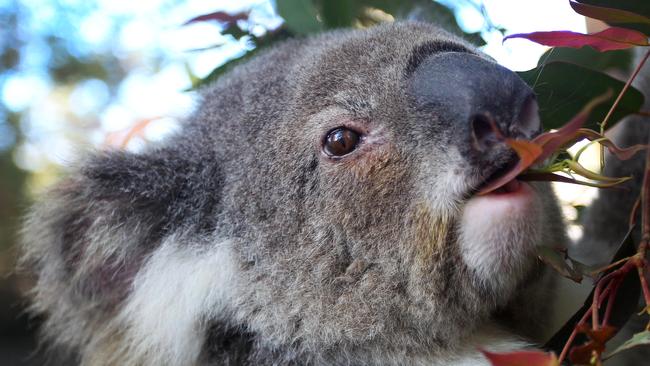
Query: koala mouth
point(510, 187)
point(501, 170)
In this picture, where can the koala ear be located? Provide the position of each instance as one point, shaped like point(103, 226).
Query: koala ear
point(167, 185)
point(89, 237)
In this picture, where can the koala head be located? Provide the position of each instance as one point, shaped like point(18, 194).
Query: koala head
point(319, 206)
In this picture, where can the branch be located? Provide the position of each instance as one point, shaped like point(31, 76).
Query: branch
point(620, 95)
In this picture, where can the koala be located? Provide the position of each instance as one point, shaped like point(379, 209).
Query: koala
point(319, 208)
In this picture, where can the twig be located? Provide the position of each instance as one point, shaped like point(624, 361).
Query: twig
point(645, 230)
point(595, 304)
point(641, 265)
point(620, 95)
point(603, 124)
point(609, 266)
point(640, 261)
point(613, 287)
point(569, 341)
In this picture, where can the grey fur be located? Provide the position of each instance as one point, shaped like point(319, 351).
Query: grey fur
point(349, 262)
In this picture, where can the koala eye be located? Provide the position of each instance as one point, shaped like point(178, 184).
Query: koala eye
point(340, 141)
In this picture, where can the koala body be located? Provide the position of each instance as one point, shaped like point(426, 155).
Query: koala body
point(318, 209)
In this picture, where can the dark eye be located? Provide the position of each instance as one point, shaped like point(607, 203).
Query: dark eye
point(340, 141)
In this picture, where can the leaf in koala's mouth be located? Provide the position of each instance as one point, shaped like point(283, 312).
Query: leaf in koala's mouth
point(528, 153)
point(548, 146)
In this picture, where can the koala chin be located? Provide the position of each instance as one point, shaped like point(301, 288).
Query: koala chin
point(319, 208)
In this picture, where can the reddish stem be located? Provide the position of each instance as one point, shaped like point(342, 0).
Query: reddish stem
point(603, 125)
point(640, 266)
point(610, 266)
point(645, 227)
point(595, 305)
point(620, 95)
point(611, 298)
point(599, 294)
point(572, 337)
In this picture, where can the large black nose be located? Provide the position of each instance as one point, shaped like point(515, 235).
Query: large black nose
point(465, 94)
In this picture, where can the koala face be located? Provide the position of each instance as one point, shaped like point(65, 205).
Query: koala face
point(319, 207)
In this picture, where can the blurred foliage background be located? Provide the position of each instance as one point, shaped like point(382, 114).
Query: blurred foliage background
point(77, 75)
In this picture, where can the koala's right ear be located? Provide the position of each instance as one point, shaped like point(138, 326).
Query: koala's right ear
point(91, 234)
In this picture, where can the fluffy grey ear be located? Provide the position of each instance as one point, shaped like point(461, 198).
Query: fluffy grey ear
point(91, 234)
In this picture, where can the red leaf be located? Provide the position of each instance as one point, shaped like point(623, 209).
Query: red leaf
point(528, 153)
point(219, 16)
point(609, 15)
point(601, 335)
point(610, 39)
point(521, 358)
point(598, 337)
point(581, 355)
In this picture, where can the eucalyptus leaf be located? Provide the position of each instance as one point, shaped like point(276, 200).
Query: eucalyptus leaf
point(556, 260)
point(590, 58)
point(563, 89)
point(300, 16)
point(639, 339)
point(339, 13)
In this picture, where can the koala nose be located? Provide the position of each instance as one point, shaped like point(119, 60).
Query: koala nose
point(467, 94)
point(525, 124)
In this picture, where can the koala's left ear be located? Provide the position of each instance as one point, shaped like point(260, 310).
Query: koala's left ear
point(176, 188)
point(91, 234)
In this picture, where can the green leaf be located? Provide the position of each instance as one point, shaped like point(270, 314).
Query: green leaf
point(563, 89)
point(639, 339)
point(580, 267)
point(556, 260)
point(590, 58)
point(299, 16)
point(339, 13)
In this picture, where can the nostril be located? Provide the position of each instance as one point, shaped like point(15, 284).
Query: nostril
point(528, 123)
point(483, 135)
